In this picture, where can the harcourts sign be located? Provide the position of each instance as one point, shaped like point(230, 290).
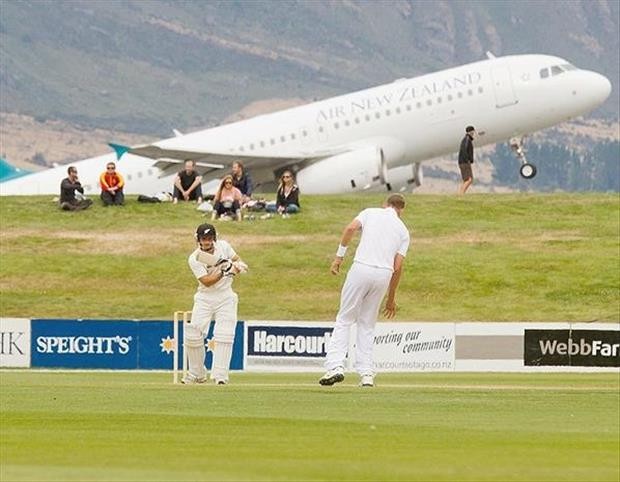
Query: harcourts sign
point(286, 346)
point(585, 348)
point(85, 344)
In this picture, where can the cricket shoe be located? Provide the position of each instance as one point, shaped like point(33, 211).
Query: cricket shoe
point(190, 379)
point(221, 381)
point(335, 375)
point(367, 381)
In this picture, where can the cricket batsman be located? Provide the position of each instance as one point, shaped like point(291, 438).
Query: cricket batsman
point(215, 264)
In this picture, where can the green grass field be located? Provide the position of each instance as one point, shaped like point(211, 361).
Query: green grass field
point(481, 257)
point(517, 257)
point(136, 426)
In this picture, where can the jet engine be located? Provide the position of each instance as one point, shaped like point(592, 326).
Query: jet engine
point(349, 172)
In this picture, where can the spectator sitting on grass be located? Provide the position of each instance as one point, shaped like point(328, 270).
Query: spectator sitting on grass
point(68, 199)
point(287, 200)
point(227, 201)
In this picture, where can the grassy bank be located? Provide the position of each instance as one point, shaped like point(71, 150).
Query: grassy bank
point(481, 257)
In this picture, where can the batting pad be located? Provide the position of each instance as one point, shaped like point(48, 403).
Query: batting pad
point(221, 360)
point(195, 350)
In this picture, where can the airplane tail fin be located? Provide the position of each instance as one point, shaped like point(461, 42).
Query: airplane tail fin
point(8, 171)
point(119, 149)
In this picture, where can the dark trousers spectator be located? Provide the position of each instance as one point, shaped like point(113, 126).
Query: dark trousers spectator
point(113, 198)
point(193, 196)
point(229, 208)
point(76, 205)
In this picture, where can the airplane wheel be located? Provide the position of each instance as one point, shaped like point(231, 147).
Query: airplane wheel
point(528, 171)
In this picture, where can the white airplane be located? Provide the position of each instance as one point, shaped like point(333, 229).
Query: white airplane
point(371, 139)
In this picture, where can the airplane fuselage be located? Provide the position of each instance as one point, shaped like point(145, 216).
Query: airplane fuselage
point(399, 124)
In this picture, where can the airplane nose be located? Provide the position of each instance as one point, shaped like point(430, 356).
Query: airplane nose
point(601, 87)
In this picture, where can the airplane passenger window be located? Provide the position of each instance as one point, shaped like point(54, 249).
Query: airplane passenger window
point(262, 143)
point(367, 117)
point(470, 92)
point(419, 105)
point(429, 102)
point(449, 97)
point(305, 133)
point(272, 142)
point(439, 100)
point(129, 177)
point(544, 73)
point(408, 107)
point(347, 123)
point(321, 129)
point(387, 112)
point(251, 147)
point(150, 172)
point(357, 120)
point(241, 149)
point(292, 137)
point(398, 110)
point(282, 139)
point(556, 70)
point(139, 174)
point(377, 115)
point(480, 89)
point(459, 95)
point(336, 125)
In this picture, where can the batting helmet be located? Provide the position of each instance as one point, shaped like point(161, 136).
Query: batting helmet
point(204, 230)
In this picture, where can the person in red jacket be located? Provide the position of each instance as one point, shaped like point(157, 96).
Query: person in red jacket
point(112, 186)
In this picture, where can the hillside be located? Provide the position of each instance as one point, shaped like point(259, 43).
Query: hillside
point(512, 257)
point(147, 67)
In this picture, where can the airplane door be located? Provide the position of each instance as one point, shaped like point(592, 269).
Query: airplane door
point(504, 90)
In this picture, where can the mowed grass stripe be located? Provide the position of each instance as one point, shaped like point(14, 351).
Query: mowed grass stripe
point(124, 426)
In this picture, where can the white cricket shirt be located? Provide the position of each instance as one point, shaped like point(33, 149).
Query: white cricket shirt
point(222, 250)
point(383, 236)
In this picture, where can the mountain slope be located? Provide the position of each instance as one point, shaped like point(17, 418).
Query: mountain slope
point(148, 66)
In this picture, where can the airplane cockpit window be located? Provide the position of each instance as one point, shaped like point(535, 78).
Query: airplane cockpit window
point(568, 67)
point(556, 70)
point(544, 73)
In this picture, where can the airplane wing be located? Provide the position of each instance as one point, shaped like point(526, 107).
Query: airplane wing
point(212, 164)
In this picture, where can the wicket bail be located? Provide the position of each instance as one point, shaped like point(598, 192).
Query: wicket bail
point(186, 316)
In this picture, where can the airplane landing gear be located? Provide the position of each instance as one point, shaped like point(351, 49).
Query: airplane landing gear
point(527, 170)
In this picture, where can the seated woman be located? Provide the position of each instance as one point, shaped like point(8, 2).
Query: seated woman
point(287, 200)
point(227, 200)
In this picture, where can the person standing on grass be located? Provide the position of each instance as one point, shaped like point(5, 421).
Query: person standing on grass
point(466, 159)
point(214, 264)
point(376, 269)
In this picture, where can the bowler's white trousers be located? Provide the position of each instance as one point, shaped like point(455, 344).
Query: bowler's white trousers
point(363, 290)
